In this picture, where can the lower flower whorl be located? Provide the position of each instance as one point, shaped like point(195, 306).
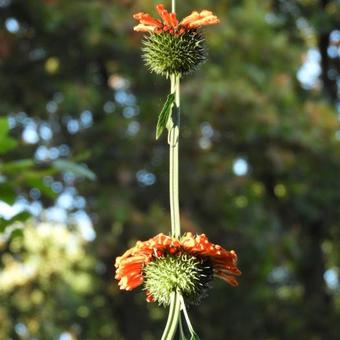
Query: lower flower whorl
point(165, 264)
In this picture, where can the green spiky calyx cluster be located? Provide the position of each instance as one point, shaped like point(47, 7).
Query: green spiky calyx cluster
point(166, 53)
point(186, 273)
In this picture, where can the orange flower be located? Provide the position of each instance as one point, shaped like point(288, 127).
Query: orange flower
point(170, 22)
point(130, 266)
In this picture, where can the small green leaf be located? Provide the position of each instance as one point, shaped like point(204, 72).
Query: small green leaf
point(6, 142)
point(3, 126)
point(17, 233)
point(3, 224)
point(194, 336)
point(77, 169)
point(20, 217)
point(13, 167)
point(164, 115)
point(7, 193)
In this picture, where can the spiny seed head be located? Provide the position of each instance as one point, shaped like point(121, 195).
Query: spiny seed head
point(166, 53)
point(186, 273)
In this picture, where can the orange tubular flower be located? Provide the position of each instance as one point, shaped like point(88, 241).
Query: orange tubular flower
point(170, 23)
point(193, 253)
point(174, 47)
point(224, 262)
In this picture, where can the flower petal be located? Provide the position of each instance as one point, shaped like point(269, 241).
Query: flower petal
point(144, 28)
point(227, 278)
point(192, 17)
point(164, 14)
point(209, 20)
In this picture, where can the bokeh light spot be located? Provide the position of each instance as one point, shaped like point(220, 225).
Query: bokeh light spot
point(52, 65)
point(240, 167)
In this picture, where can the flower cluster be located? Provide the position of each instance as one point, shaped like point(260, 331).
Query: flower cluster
point(170, 22)
point(186, 264)
point(173, 47)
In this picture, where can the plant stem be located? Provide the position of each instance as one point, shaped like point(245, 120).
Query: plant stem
point(173, 135)
point(184, 309)
point(187, 319)
point(181, 331)
point(173, 318)
point(173, 140)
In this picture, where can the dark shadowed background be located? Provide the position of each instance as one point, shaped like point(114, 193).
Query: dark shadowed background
point(82, 177)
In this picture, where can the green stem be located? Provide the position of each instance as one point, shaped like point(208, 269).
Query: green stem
point(173, 137)
point(173, 318)
point(186, 316)
point(181, 331)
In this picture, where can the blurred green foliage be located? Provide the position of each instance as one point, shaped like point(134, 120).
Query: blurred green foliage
point(259, 165)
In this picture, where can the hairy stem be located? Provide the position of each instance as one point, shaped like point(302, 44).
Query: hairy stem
point(173, 159)
point(173, 318)
point(186, 316)
point(175, 303)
